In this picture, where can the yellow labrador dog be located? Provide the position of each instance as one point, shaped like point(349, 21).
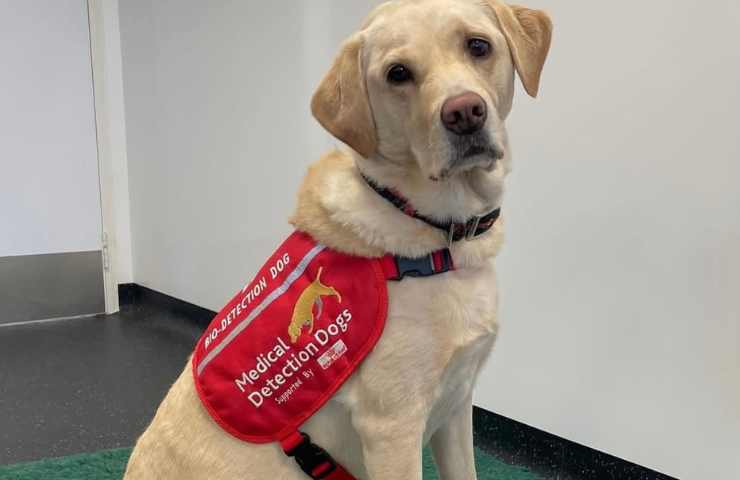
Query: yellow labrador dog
point(420, 94)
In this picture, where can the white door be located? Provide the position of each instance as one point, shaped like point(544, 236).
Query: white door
point(50, 217)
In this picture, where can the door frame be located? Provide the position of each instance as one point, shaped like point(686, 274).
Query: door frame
point(110, 125)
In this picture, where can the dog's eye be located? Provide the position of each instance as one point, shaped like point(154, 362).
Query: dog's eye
point(399, 74)
point(479, 47)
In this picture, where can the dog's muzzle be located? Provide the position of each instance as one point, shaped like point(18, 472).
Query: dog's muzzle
point(470, 151)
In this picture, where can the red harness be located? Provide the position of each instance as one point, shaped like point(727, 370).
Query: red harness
point(279, 350)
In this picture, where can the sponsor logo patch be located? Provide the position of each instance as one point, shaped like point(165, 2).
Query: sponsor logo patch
point(330, 356)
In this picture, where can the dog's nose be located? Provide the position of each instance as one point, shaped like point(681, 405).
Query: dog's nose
point(464, 114)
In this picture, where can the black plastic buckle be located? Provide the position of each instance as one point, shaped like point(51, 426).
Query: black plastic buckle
point(414, 267)
point(308, 456)
point(422, 266)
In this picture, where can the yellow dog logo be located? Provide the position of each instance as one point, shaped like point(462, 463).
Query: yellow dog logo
point(303, 310)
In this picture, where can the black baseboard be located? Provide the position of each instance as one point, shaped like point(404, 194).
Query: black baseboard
point(127, 294)
point(548, 455)
point(132, 294)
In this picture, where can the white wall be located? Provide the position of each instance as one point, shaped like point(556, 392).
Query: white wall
point(219, 132)
point(620, 274)
point(621, 271)
point(49, 192)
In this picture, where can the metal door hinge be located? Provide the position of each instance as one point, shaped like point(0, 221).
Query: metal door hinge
point(106, 253)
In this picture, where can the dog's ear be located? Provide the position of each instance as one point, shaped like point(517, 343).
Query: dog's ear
point(341, 104)
point(528, 33)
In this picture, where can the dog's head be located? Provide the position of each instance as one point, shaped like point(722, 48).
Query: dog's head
point(431, 82)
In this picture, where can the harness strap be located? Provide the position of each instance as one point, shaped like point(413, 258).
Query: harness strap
point(311, 458)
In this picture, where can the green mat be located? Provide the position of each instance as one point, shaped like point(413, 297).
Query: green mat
point(109, 465)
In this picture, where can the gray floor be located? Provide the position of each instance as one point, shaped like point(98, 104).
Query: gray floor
point(86, 384)
point(90, 384)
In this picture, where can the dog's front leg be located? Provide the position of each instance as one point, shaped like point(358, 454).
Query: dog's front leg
point(452, 445)
point(391, 449)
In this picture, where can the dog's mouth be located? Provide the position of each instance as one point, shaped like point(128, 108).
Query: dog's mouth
point(474, 150)
point(470, 152)
point(486, 150)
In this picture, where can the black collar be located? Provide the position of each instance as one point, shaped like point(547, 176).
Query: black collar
point(469, 229)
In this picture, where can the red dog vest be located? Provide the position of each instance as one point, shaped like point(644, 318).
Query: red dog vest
point(286, 343)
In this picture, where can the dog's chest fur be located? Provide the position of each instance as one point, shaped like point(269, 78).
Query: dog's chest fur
point(439, 329)
point(438, 333)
